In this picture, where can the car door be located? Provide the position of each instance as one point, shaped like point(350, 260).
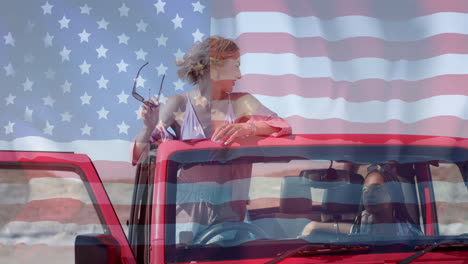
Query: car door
point(55, 210)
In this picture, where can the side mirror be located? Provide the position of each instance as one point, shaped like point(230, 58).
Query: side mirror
point(97, 248)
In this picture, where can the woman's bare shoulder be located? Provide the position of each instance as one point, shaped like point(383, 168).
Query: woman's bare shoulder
point(175, 101)
point(243, 97)
point(173, 104)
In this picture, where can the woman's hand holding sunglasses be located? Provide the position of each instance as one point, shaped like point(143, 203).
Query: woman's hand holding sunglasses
point(150, 102)
point(150, 107)
point(150, 112)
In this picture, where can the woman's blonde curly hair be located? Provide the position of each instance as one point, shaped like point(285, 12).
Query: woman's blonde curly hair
point(196, 63)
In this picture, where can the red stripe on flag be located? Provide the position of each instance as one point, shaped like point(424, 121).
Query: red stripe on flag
point(352, 48)
point(115, 171)
point(359, 91)
point(389, 10)
point(452, 213)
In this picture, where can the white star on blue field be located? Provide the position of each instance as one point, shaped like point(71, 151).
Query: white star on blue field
point(68, 68)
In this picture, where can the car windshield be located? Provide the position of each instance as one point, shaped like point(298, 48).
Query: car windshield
point(258, 202)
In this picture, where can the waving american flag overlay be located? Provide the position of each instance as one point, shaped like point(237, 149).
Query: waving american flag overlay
point(325, 66)
point(354, 66)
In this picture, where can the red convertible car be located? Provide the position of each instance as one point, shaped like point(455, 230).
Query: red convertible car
point(296, 199)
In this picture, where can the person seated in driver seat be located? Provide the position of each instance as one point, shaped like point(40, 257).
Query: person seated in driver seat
point(382, 208)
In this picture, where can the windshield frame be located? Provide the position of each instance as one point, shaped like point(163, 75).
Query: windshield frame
point(422, 154)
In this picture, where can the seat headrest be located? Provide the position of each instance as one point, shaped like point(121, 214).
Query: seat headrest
point(342, 193)
point(341, 201)
point(296, 197)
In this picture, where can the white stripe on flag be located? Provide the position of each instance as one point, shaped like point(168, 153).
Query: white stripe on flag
point(45, 232)
point(355, 69)
point(341, 27)
point(368, 112)
point(112, 150)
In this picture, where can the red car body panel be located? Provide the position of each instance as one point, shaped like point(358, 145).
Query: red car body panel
point(83, 166)
point(166, 149)
point(81, 162)
point(318, 140)
point(432, 257)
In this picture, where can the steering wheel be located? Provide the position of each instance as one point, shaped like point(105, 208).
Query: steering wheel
point(204, 237)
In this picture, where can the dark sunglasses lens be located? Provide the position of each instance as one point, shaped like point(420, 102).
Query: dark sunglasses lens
point(138, 97)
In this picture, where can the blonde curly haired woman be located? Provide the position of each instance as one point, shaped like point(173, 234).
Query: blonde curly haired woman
point(210, 110)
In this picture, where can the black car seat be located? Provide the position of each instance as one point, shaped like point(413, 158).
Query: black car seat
point(340, 201)
point(296, 197)
point(295, 211)
point(341, 195)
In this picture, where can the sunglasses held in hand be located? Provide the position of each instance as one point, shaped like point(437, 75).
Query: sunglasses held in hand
point(139, 97)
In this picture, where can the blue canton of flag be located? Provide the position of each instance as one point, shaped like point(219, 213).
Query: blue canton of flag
point(68, 67)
